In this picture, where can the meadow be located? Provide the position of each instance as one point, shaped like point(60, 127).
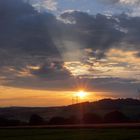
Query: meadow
point(70, 134)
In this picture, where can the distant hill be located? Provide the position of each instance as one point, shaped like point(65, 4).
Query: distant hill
point(130, 107)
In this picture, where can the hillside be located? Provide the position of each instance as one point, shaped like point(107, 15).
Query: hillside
point(130, 107)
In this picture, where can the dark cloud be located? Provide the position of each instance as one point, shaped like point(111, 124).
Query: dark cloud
point(132, 25)
point(53, 71)
point(102, 32)
point(24, 32)
point(110, 1)
point(30, 39)
point(97, 32)
point(112, 86)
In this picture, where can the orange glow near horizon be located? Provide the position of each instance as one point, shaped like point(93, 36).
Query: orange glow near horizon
point(26, 97)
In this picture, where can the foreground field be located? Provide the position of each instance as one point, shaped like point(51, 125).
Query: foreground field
point(70, 134)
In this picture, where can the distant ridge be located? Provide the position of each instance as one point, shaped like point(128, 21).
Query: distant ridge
point(130, 107)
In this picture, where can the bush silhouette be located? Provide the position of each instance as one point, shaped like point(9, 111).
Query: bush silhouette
point(58, 121)
point(3, 121)
point(72, 120)
point(90, 118)
point(115, 117)
point(36, 120)
point(7, 122)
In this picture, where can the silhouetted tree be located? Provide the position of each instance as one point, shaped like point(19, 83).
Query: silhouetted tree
point(36, 120)
point(57, 121)
point(73, 120)
point(3, 121)
point(14, 122)
point(7, 122)
point(115, 117)
point(90, 118)
point(137, 118)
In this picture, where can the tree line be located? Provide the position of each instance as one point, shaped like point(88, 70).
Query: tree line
point(88, 118)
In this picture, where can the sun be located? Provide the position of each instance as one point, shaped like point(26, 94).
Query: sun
point(81, 94)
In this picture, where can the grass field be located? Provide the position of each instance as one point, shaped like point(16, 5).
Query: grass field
point(69, 134)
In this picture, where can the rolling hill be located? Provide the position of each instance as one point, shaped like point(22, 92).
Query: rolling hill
point(130, 107)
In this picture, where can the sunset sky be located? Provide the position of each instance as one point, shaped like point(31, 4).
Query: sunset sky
point(52, 49)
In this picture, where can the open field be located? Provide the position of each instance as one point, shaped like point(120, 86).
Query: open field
point(70, 134)
point(79, 126)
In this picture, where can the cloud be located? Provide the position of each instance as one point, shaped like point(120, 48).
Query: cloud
point(131, 7)
point(51, 4)
point(52, 71)
point(131, 2)
point(38, 50)
point(26, 32)
point(97, 32)
point(117, 86)
point(44, 4)
point(101, 32)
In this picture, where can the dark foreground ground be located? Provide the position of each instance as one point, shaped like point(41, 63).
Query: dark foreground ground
point(70, 134)
point(95, 132)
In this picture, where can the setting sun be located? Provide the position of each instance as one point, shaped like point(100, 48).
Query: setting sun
point(81, 94)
